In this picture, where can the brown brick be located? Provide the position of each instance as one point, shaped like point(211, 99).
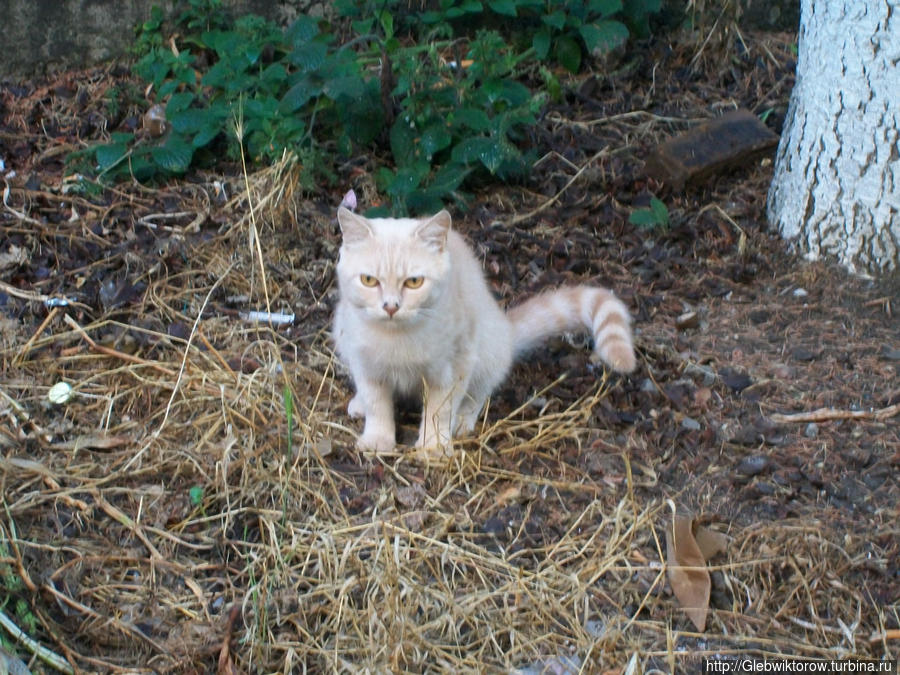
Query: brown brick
point(731, 141)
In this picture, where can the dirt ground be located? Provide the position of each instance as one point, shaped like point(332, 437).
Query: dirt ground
point(177, 515)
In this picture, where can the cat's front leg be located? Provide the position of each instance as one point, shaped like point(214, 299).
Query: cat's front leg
point(435, 438)
point(374, 402)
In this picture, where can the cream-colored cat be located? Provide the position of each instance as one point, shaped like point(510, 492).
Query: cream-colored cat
point(416, 318)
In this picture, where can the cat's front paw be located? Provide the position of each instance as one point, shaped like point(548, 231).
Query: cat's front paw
point(377, 443)
point(356, 409)
point(432, 451)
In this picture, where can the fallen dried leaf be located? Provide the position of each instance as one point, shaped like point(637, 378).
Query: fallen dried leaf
point(710, 542)
point(687, 571)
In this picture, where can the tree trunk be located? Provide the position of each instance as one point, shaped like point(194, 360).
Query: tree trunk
point(836, 189)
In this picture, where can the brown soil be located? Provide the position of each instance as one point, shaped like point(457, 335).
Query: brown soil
point(158, 522)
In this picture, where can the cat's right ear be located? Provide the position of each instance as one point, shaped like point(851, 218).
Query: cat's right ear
point(433, 231)
point(354, 228)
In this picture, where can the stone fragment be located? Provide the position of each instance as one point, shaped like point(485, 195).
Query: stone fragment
point(732, 141)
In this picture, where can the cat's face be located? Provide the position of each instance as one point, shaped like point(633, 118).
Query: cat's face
point(393, 268)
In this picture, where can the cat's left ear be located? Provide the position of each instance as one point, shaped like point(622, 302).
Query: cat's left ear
point(433, 232)
point(354, 228)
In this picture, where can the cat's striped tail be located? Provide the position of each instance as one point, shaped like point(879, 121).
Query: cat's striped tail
point(577, 308)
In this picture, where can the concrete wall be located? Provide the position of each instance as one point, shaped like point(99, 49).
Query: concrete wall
point(39, 36)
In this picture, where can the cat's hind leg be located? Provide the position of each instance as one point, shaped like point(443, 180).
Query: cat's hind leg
point(469, 409)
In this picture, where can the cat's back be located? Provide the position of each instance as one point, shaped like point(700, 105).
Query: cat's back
point(467, 267)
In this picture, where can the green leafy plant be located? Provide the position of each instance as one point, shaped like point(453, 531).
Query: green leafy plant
point(454, 121)
point(450, 108)
point(654, 217)
point(559, 30)
point(17, 606)
point(265, 89)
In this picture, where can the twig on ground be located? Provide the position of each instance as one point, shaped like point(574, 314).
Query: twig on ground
point(554, 198)
point(827, 414)
point(52, 659)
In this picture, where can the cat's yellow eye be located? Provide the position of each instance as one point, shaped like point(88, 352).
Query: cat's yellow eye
point(414, 282)
point(368, 280)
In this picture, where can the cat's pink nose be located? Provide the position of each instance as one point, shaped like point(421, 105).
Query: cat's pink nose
point(391, 308)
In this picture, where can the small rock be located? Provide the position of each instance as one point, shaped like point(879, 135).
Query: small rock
point(690, 424)
point(783, 371)
point(889, 354)
point(495, 526)
point(758, 316)
point(800, 293)
point(702, 396)
point(812, 430)
point(765, 488)
point(648, 385)
point(736, 381)
point(687, 320)
point(753, 465)
point(803, 354)
point(708, 375)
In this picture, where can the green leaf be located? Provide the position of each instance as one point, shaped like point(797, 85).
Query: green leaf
point(141, 168)
point(109, 155)
point(205, 136)
point(656, 216)
point(189, 121)
point(407, 179)
point(604, 36)
point(274, 75)
point(196, 495)
point(217, 76)
point(435, 138)
point(607, 7)
point(364, 120)
point(179, 102)
point(449, 178)
point(469, 150)
point(643, 218)
point(505, 7)
point(363, 26)
point(386, 19)
point(555, 20)
point(541, 43)
point(175, 156)
point(471, 118)
point(551, 83)
point(349, 86)
point(659, 210)
point(488, 151)
point(568, 53)
point(430, 17)
point(304, 29)
point(309, 56)
point(403, 141)
point(298, 95)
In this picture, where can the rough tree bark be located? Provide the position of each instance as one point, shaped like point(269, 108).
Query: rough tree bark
point(836, 189)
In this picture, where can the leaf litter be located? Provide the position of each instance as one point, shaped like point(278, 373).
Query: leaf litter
point(158, 520)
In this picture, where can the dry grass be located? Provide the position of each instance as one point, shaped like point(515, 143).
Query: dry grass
point(336, 562)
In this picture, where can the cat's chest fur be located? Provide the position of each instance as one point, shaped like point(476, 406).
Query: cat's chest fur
point(405, 355)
